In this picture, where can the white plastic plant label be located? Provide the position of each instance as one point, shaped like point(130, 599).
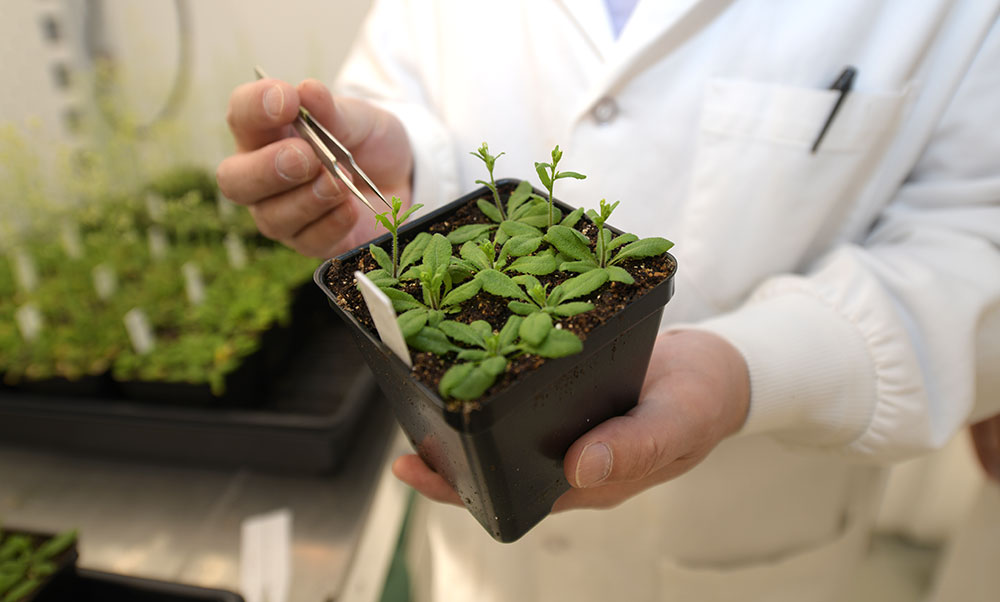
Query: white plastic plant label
point(225, 207)
point(105, 281)
point(140, 332)
point(25, 271)
point(69, 236)
point(158, 244)
point(29, 322)
point(194, 284)
point(380, 307)
point(266, 556)
point(236, 252)
point(156, 207)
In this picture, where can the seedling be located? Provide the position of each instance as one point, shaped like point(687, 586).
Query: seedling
point(548, 174)
point(515, 254)
point(491, 352)
point(574, 245)
point(483, 152)
point(559, 301)
point(391, 265)
point(24, 567)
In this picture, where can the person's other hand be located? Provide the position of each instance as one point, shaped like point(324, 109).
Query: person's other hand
point(696, 393)
point(986, 438)
point(292, 197)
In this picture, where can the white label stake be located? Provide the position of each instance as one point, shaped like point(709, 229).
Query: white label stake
point(235, 250)
point(157, 242)
point(24, 270)
point(105, 281)
point(266, 556)
point(194, 285)
point(29, 322)
point(139, 331)
point(380, 307)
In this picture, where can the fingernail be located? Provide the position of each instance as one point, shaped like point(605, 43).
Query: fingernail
point(291, 164)
point(594, 465)
point(274, 101)
point(324, 187)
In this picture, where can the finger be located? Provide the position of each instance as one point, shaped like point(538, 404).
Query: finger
point(414, 472)
point(624, 448)
point(330, 235)
point(274, 169)
point(284, 216)
point(349, 120)
point(259, 112)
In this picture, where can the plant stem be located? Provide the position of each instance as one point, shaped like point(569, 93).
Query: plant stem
point(395, 254)
point(496, 197)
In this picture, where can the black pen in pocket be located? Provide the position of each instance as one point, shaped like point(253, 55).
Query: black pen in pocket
point(843, 84)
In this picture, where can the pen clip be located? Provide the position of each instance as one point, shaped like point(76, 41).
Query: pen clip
point(843, 84)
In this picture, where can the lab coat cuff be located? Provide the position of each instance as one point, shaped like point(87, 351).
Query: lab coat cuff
point(435, 168)
point(811, 373)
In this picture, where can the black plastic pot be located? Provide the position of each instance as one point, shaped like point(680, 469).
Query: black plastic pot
point(505, 458)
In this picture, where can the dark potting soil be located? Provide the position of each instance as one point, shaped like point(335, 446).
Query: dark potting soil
point(428, 368)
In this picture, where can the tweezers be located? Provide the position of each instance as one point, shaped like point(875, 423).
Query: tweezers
point(332, 154)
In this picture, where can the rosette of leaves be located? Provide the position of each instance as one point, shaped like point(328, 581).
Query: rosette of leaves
point(516, 253)
point(560, 300)
point(609, 250)
point(488, 353)
point(24, 565)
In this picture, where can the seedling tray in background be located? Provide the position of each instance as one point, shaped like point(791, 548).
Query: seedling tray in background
point(304, 425)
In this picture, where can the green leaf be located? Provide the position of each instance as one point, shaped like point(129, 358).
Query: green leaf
point(520, 246)
point(414, 250)
point(578, 266)
point(624, 239)
point(43, 569)
point(401, 301)
point(522, 308)
point(512, 228)
point(469, 232)
point(509, 332)
point(619, 274)
point(475, 255)
point(383, 219)
point(482, 328)
point(494, 366)
point(535, 328)
point(437, 255)
point(410, 211)
point(584, 284)
point(570, 174)
point(647, 247)
point(381, 257)
point(455, 375)
point(381, 278)
point(21, 590)
point(412, 321)
point(543, 174)
point(489, 210)
point(572, 218)
point(432, 340)
point(462, 293)
point(411, 274)
point(520, 194)
point(533, 264)
point(463, 333)
point(500, 284)
point(567, 242)
point(571, 309)
point(475, 382)
point(472, 355)
point(527, 281)
point(559, 343)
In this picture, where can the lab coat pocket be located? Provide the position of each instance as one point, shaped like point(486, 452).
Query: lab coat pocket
point(761, 202)
point(812, 575)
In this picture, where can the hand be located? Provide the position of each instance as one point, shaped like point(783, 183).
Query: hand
point(697, 392)
point(291, 196)
point(986, 438)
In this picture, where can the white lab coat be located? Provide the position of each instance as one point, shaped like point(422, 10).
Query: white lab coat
point(853, 280)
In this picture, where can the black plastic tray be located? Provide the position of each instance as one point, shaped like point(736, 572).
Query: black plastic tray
point(303, 426)
point(95, 586)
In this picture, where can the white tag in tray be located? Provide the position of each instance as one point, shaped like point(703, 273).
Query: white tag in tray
point(29, 322)
point(236, 252)
point(105, 281)
point(25, 271)
point(380, 307)
point(139, 331)
point(194, 284)
point(157, 242)
point(69, 235)
point(266, 556)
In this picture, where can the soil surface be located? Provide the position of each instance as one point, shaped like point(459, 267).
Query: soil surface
point(428, 367)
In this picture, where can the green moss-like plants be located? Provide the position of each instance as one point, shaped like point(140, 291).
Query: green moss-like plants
point(26, 561)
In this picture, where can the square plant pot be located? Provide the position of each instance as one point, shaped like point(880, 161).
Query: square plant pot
point(504, 453)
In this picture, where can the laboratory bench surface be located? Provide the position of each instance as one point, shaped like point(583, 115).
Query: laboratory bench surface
point(183, 523)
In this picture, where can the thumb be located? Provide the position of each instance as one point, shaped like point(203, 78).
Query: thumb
point(624, 448)
point(349, 120)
